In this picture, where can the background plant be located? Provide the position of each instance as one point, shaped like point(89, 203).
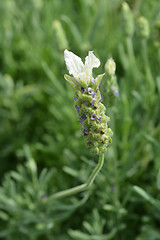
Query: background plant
point(36, 108)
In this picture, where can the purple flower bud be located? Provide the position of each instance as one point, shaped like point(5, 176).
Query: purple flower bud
point(93, 116)
point(92, 104)
point(85, 131)
point(101, 132)
point(75, 98)
point(83, 89)
point(93, 80)
point(82, 118)
point(77, 108)
point(99, 119)
point(89, 143)
point(116, 93)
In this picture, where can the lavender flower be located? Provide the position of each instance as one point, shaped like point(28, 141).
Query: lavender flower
point(92, 104)
point(93, 80)
point(82, 118)
point(90, 91)
point(87, 96)
point(116, 93)
point(93, 94)
point(99, 119)
point(85, 131)
point(93, 116)
point(77, 108)
point(94, 98)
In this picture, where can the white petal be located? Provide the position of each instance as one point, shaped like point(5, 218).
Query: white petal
point(83, 79)
point(73, 62)
point(91, 62)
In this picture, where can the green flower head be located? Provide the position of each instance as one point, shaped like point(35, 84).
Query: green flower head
point(88, 101)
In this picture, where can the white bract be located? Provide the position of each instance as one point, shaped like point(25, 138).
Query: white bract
point(82, 73)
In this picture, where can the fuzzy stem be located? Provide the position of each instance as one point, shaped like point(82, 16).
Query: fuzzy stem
point(147, 66)
point(130, 50)
point(81, 187)
point(133, 67)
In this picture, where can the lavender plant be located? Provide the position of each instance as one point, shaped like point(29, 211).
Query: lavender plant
point(91, 111)
point(26, 211)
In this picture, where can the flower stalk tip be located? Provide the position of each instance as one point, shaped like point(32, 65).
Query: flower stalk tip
point(110, 85)
point(128, 19)
point(143, 28)
point(110, 67)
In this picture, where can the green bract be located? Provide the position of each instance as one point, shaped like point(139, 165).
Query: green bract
point(128, 20)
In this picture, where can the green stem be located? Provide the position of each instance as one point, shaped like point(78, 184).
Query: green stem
point(132, 61)
point(81, 187)
point(130, 50)
point(147, 66)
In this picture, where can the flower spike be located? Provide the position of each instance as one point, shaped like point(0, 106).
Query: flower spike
point(90, 110)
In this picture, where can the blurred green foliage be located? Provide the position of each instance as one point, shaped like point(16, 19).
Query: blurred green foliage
point(36, 109)
point(27, 209)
